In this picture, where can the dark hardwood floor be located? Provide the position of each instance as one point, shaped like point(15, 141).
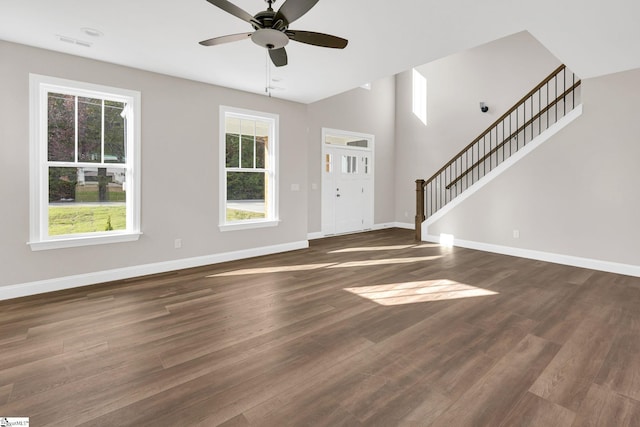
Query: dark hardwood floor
point(369, 329)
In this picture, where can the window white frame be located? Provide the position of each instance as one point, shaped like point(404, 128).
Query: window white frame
point(271, 215)
point(39, 88)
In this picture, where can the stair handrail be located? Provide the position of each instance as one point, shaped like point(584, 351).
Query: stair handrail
point(500, 119)
point(514, 133)
point(440, 192)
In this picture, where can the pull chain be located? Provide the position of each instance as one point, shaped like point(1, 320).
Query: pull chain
point(267, 87)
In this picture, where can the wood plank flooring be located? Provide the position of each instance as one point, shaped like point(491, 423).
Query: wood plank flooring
point(370, 329)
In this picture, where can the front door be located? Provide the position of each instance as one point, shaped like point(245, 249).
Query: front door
point(347, 188)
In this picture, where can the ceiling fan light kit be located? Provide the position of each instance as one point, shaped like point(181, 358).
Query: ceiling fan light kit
point(272, 29)
point(270, 38)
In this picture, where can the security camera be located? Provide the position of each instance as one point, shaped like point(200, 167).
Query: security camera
point(483, 107)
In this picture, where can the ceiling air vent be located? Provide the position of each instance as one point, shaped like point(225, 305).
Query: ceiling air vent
point(71, 40)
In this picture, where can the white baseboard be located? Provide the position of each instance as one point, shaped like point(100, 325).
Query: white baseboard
point(382, 226)
point(319, 235)
point(590, 263)
point(60, 283)
point(405, 225)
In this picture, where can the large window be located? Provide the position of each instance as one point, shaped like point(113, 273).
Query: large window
point(84, 163)
point(248, 152)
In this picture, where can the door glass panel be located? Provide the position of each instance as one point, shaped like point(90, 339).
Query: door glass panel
point(349, 164)
point(346, 141)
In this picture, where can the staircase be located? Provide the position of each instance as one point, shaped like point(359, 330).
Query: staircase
point(539, 114)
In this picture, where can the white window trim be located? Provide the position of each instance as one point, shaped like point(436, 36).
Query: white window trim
point(38, 181)
point(272, 219)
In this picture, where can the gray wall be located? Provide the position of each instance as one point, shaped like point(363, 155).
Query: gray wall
point(359, 110)
point(577, 194)
point(179, 168)
point(499, 73)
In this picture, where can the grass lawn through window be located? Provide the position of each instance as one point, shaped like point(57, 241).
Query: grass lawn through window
point(73, 219)
point(239, 215)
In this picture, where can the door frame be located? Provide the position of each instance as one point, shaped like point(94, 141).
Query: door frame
point(325, 149)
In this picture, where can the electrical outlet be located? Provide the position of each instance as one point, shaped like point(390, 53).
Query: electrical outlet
point(516, 234)
point(177, 244)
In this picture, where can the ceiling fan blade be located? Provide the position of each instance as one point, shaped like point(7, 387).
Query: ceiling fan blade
point(294, 9)
point(317, 39)
point(225, 39)
point(278, 57)
point(235, 11)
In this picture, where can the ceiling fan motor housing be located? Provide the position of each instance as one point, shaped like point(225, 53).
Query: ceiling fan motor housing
point(268, 35)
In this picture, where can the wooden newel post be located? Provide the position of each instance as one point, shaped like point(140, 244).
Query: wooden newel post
point(419, 208)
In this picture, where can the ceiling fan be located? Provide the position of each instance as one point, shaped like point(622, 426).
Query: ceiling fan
point(272, 28)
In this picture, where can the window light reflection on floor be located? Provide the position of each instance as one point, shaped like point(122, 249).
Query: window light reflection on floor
point(370, 248)
point(370, 262)
point(303, 267)
point(415, 292)
point(275, 269)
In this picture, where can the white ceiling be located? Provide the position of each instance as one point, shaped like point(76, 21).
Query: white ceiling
point(385, 37)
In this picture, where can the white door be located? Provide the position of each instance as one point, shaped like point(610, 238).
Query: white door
point(347, 188)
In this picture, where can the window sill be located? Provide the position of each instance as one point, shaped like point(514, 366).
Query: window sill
point(245, 225)
point(72, 242)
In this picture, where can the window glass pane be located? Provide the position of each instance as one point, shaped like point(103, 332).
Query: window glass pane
point(247, 151)
point(233, 150)
point(232, 125)
point(245, 196)
point(248, 127)
point(85, 200)
point(262, 129)
point(261, 151)
point(89, 129)
point(61, 133)
point(114, 132)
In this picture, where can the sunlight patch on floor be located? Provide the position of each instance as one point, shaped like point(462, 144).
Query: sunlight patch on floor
point(427, 245)
point(370, 262)
point(370, 248)
point(304, 267)
point(414, 292)
point(276, 269)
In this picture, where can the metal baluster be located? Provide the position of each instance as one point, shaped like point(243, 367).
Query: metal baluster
point(564, 89)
